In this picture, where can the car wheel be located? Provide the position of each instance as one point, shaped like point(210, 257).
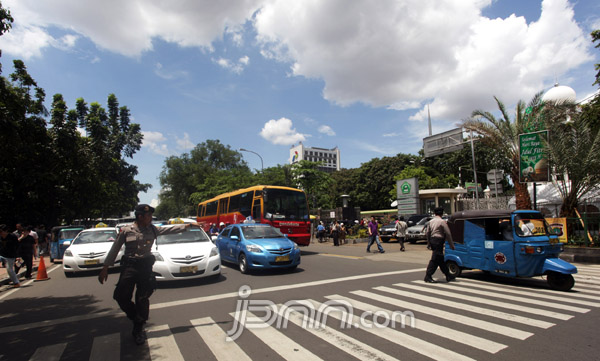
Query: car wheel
point(560, 282)
point(412, 241)
point(69, 274)
point(243, 263)
point(293, 268)
point(453, 268)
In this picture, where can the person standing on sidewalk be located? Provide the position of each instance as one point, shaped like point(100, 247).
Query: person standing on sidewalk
point(136, 267)
point(26, 251)
point(401, 227)
point(8, 252)
point(438, 233)
point(374, 235)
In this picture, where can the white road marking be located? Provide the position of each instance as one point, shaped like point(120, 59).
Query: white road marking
point(214, 337)
point(465, 320)
point(277, 341)
point(106, 348)
point(438, 330)
point(353, 347)
point(49, 353)
point(162, 344)
point(461, 305)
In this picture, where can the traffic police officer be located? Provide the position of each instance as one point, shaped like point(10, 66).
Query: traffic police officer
point(136, 267)
point(437, 234)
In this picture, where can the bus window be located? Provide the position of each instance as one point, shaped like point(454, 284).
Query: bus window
point(211, 208)
point(246, 203)
point(223, 205)
point(234, 203)
point(256, 211)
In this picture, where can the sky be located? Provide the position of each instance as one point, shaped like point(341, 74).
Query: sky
point(264, 75)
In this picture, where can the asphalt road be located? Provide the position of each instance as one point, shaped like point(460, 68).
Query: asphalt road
point(476, 317)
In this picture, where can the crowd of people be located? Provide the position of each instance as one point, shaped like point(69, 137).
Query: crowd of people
point(19, 248)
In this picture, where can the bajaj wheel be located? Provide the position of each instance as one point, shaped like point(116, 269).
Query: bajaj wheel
point(243, 263)
point(561, 282)
point(453, 268)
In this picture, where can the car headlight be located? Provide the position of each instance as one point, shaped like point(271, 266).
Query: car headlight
point(158, 256)
point(68, 253)
point(296, 246)
point(253, 248)
point(214, 252)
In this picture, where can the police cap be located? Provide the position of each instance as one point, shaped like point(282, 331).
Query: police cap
point(143, 209)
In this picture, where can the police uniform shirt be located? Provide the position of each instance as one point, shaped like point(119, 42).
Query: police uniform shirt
point(438, 228)
point(138, 241)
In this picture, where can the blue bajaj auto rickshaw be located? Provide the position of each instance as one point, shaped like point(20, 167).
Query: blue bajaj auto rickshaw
point(62, 236)
point(505, 243)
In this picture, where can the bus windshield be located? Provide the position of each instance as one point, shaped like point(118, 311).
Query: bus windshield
point(285, 205)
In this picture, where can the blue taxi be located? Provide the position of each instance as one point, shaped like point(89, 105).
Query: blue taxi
point(257, 246)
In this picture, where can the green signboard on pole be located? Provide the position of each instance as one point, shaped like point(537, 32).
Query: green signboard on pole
point(533, 159)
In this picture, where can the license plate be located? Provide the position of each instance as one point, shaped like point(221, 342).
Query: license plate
point(553, 240)
point(282, 258)
point(188, 269)
point(91, 261)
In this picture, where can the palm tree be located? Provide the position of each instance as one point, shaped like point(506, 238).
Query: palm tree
point(502, 134)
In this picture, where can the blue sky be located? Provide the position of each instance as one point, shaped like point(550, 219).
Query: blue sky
point(266, 74)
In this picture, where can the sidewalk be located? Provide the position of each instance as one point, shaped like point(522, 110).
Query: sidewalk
point(4, 279)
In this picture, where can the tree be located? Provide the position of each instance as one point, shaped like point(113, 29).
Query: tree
point(210, 169)
point(313, 181)
point(502, 134)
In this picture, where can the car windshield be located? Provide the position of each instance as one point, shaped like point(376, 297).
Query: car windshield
point(68, 233)
point(260, 232)
point(108, 235)
point(190, 235)
point(285, 205)
point(530, 225)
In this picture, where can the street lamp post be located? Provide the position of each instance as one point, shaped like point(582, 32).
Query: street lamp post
point(261, 160)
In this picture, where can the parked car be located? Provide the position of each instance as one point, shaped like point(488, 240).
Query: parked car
point(257, 246)
point(89, 249)
point(186, 255)
point(417, 232)
point(387, 232)
point(414, 219)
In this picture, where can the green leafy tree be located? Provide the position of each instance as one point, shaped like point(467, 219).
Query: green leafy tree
point(313, 181)
point(502, 134)
point(210, 169)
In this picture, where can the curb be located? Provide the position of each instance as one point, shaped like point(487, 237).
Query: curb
point(6, 280)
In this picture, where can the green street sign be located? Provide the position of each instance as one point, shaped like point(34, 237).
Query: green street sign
point(405, 188)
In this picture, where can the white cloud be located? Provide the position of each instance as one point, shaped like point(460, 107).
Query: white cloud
point(185, 144)
point(236, 67)
point(155, 142)
point(281, 132)
point(326, 129)
point(160, 71)
point(393, 54)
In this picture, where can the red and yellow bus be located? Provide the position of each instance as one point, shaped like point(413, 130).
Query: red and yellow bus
point(282, 207)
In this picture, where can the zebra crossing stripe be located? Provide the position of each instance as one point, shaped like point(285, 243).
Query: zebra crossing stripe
point(533, 293)
point(434, 288)
point(465, 320)
point(593, 281)
point(587, 289)
point(430, 327)
point(214, 337)
point(277, 341)
point(106, 348)
point(162, 344)
point(588, 268)
point(49, 353)
point(338, 339)
point(463, 306)
point(460, 286)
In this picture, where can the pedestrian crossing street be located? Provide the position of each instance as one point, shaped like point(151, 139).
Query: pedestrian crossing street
point(462, 320)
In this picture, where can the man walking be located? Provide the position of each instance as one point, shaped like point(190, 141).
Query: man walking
point(437, 234)
point(401, 231)
point(136, 267)
point(8, 253)
point(374, 235)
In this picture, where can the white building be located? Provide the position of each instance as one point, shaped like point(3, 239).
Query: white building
point(330, 158)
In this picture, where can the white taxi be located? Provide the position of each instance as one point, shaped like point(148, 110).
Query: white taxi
point(89, 249)
point(186, 255)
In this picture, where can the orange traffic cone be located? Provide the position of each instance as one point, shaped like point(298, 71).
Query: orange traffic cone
point(41, 273)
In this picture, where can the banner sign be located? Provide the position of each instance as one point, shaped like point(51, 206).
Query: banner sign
point(533, 160)
point(558, 226)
